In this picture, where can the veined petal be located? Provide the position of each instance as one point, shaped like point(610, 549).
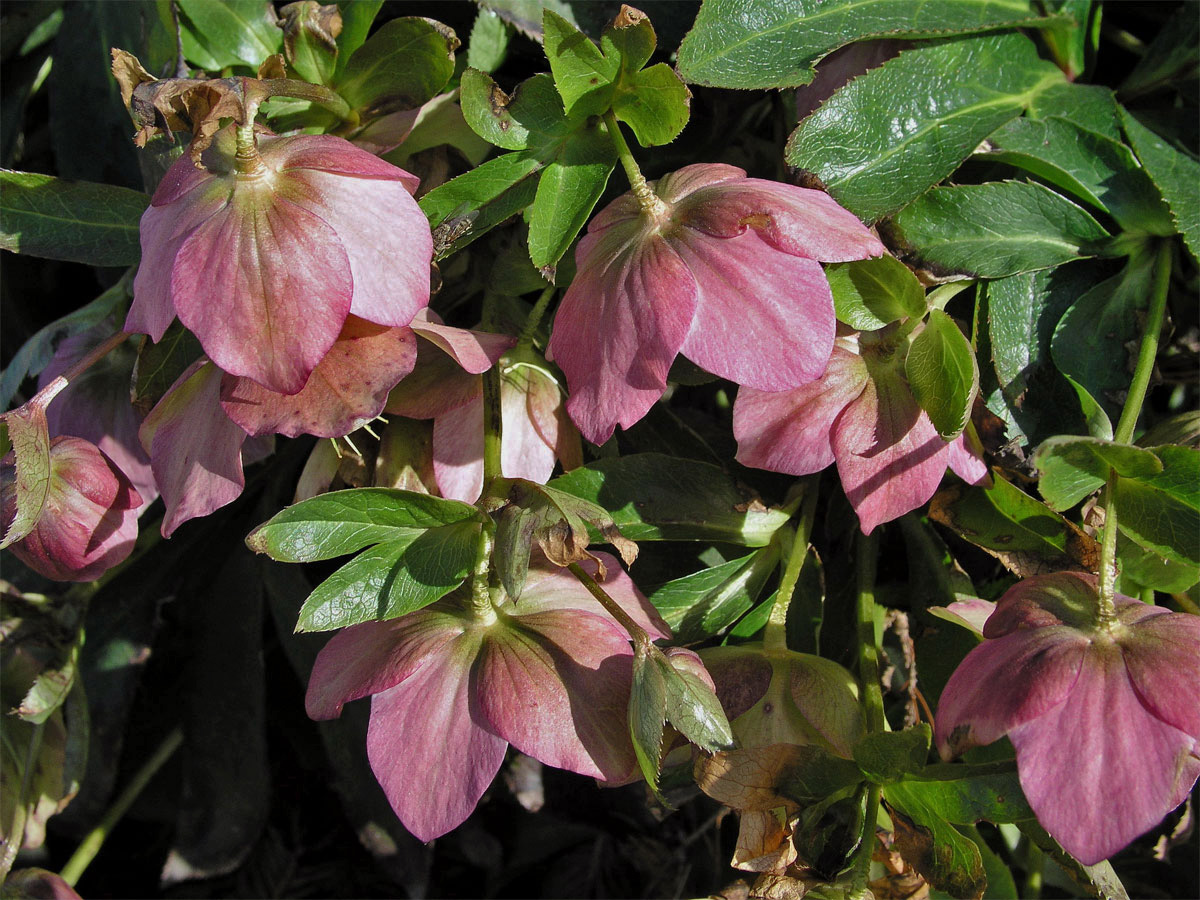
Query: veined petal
point(458, 451)
point(347, 389)
point(763, 318)
point(966, 460)
point(1100, 768)
point(1058, 598)
point(1162, 656)
point(675, 186)
point(474, 351)
point(326, 153)
point(789, 431)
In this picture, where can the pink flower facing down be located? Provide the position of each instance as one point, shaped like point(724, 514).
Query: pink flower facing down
point(452, 689)
point(725, 271)
point(89, 521)
point(1105, 721)
point(861, 413)
point(263, 259)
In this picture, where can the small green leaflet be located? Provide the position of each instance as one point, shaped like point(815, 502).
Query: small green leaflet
point(943, 374)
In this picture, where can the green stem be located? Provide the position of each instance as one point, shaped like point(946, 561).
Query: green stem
point(97, 353)
point(16, 834)
point(775, 634)
point(612, 606)
point(301, 90)
point(492, 426)
point(866, 847)
point(1106, 591)
point(1148, 351)
point(90, 846)
point(1034, 867)
point(481, 595)
point(650, 202)
point(868, 650)
point(940, 296)
point(525, 341)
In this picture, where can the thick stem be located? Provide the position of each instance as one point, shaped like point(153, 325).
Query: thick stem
point(90, 846)
point(481, 597)
point(1105, 607)
point(868, 649)
point(492, 427)
point(612, 606)
point(650, 202)
point(775, 634)
point(525, 341)
point(1148, 351)
point(866, 848)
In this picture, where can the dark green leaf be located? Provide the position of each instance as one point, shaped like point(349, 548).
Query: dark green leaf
point(1090, 106)
point(567, 193)
point(78, 221)
point(1176, 174)
point(966, 794)
point(342, 522)
point(402, 65)
point(774, 43)
point(1139, 569)
point(1173, 54)
point(647, 711)
point(1072, 35)
point(357, 16)
point(1099, 881)
point(996, 229)
point(949, 861)
point(467, 207)
point(815, 774)
point(943, 374)
point(707, 602)
point(229, 33)
point(393, 578)
point(655, 497)
point(878, 143)
point(488, 45)
point(871, 293)
point(1161, 512)
point(1073, 467)
point(160, 365)
point(655, 104)
point(889, 755)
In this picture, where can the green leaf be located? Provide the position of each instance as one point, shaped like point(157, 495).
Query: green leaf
point(774, 43)
point(878, 143)
point(655, 105)
point(1099, 881)
point(467, 207)
point(996, 229)
point(871, 293)
point(1139, 569)
point(1023, 533)
point(309, 47)
point(1161, 512)
point(487, 47)
point(567, 192)
point(1073, 467)
point(966, 794)
point(1095, 342)
point(402, 65)
point(1173, 54)
point(357, 17)
point(393, 578)
point(30, 438)
point(342, 522)
point(949, 861)
point(229, 33)
point(1096, 169)
point(655, 497)
point(647, 711)
point(1176, 174)
point(37, 352)
point(707, 602)
point(886, 756)
point(77, 221)
point(815, 774)
point(506, 120)
point(1092, 107)
point(943, 374)
point(582, 74)
point(1071, 36)
point(691, 704)
point(160, 365)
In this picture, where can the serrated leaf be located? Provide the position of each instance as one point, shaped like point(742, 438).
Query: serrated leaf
point(877, 143)
point(229, 33)
point(890, 755)
point(1099, 881)
point(467, 207)
point(691, 705)
point(506, 120)
point(706, 602)
point(583, 75)
point(647, 711)
point(943, 374)
point(1073, 467)
point(310, 39)
point(996, 229)
point(1176, 174)
point(1090, 106)
point(1161, 512)
point(30, 438)
point(77, 221)
point(1172, 54)
point(774, 43)
point(1072, 35)
point(567, 192)
point(487, 47)
point(655, 105)
point(947, 859)
point(1140, 569)
point(401, 66)
point(871, 293)
point(342, 522)
point(657, 497)
point(393, 578)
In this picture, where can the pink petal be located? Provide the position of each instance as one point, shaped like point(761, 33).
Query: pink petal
point(966, 460)
point(247, 282)
point(326, 153)
point(1162, 655)
point(458, 451)
point(789, 431)
point(890, 457)
point(433, 754)
point(1100, 769)
point(971, 613)
point(620, 326)
point(347, 389)
point(372, 657)
point(675, 186)
point(436, 385)
point(556, 686)
point(740, 675)
point(1004, 683)
point(763, 318)
point(195, 450)
point(1059, 598)
point(475, 351)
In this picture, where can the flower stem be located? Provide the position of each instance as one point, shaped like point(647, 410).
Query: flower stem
point(492, 426)
point(481, 596)
point(303, 90)
point(90, 846)
point(775, 634)
point(525, 341)
point(650, 202)
point(866, 847)
point(868, 650)
point(1106, 591)
point(612, 606)
point(97, 353)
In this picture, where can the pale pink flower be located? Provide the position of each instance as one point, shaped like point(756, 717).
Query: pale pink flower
point(726, 271)
point(1105, 719)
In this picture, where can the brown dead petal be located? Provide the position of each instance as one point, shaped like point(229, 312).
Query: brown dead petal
point(764, 843)
point(628, 16)
point(778, 887)
point(274, 66)
point(747, 779)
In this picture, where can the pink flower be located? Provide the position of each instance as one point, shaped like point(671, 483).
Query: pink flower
point(265, 263)
point(726, 271)
point(89, 521)
point(452, 689)
point(1105, 720)
point(861, 413)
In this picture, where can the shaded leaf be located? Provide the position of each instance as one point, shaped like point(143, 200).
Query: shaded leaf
point(886, 756)
point(229, 33)
point(487, 47)
point(357, 17)
point(943, 374)
point(160, 365)
point(706, 602)
point(1072, 468)
point(402, 65)
point(1176, 174)
point(1161, 511)
point(764, 778)
point(30, 438)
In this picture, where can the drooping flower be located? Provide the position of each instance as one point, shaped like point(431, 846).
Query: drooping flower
point(725, 270)
point(452, 689)
point(264, 254)
point(88, 523)
point(860, 413)
point(1105, 719)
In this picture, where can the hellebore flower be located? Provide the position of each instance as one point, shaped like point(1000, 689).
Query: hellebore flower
point(861, 413)
point(725, 270)
point(263, 253)
point(88, 523)
point(453, 687)
point(1105, 719)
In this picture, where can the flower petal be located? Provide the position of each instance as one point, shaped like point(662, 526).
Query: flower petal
point(458, 451)
point(1100, 769)
point(326, 153)
point(1162, 654)
point(763, 318)
point(1058, 598)
point(475, 351)
point(789, 431)
point(347, 389)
